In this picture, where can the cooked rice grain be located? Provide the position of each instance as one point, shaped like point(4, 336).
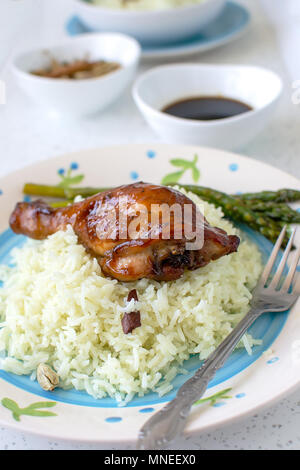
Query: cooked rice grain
point(57, 308)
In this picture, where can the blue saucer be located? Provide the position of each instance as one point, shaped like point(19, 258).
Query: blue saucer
point(228, 26)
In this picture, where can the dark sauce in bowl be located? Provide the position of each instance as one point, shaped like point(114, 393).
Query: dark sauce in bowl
point(206, 108)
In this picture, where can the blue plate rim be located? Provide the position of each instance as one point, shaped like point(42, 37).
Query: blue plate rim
point(237, 363)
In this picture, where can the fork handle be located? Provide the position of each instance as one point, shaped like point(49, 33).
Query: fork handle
point(169, 422)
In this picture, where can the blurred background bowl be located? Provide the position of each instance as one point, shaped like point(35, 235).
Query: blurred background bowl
point(85, 96)
point(154, 27)
point(257, 87)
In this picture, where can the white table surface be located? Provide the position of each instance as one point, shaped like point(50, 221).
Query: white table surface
point(28, 134)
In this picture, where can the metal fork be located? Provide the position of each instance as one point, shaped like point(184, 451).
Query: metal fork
point(268, 296)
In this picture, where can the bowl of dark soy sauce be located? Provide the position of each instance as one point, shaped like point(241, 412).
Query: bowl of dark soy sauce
point(223, 106)
point(206, 108)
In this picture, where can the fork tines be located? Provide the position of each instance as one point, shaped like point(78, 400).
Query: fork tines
point(275, 283)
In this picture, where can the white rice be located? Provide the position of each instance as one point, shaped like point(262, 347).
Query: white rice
point(144, 4)
point(57, 308)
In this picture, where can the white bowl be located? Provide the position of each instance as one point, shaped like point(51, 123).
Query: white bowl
point(161, 86)
point(154, 26)
point(79, 97)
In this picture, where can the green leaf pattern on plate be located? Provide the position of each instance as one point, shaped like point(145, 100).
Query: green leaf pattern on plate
point(35, 409)
point(213, 399)
point(67, 180)
point(185, 165)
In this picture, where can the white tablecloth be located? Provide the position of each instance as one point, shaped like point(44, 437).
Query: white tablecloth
point(27, 135)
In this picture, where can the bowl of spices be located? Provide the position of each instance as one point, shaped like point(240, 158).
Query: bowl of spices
point(222, 106)
point(83, 75)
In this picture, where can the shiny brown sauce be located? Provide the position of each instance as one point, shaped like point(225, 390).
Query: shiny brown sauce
point(206, 108)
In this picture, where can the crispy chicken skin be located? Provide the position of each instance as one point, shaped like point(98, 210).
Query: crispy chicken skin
point(126, 258)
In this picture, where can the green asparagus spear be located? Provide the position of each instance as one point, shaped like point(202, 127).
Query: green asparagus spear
point(234, 209)
point(59, 192)
point(283, 195)
point(59, 204)
point(277, 211)
point(43, 190)
point(260, 211)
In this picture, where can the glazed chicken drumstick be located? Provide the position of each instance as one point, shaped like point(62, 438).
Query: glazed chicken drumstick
point(96, 222)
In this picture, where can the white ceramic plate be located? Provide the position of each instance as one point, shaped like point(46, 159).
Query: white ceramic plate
point(255, 381)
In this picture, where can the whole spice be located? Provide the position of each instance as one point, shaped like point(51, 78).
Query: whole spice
point(132, 320)
point(78, 69)
point(46, 377)
point(132, 295)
